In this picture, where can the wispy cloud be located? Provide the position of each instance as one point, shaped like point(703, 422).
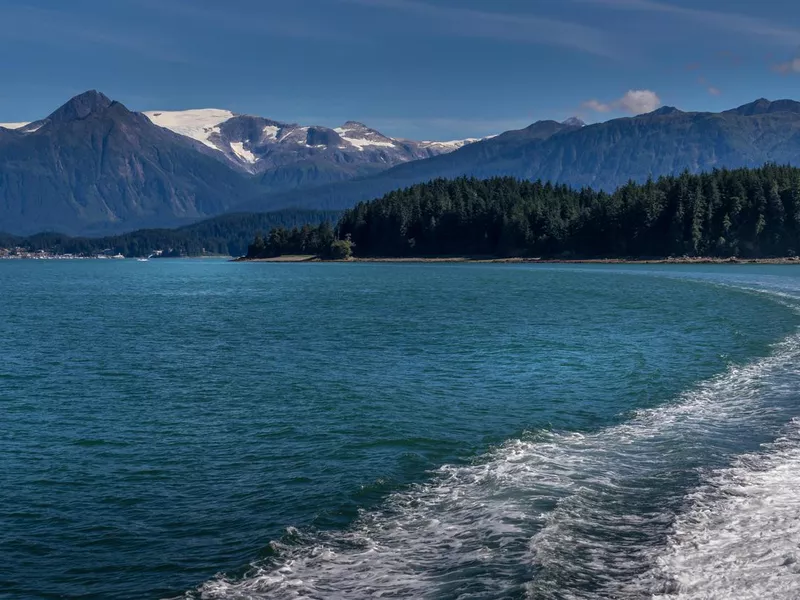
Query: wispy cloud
point(634, 102)
point(519, 28)
point(791, 66)
point(727, 21)
point(218, 16)
point(711, 89)
point(56, 27)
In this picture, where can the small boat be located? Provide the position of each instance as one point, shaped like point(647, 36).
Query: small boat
point(142, 259)
point(118, 256)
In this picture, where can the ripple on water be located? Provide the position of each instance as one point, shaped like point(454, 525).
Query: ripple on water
point(555, 515)
point(740, 537)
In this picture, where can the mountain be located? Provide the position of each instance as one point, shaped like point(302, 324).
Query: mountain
point(272, 148)
point(604, 155)
point(481, 158)
point(93, 166)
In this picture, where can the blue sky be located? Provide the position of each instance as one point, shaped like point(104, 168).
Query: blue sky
point(432, 69)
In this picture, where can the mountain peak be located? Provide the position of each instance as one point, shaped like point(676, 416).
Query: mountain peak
point(354, 125)
point(763, 106)
point(573, 122)
point(665, 110)
point(81, 106)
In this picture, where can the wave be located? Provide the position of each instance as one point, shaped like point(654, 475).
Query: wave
point(740, 537)
point(561, 515)
point(574, 516)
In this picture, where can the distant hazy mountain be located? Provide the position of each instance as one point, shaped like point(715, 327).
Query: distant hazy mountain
point(94, 166)
point(259, 145)
point(604, 155)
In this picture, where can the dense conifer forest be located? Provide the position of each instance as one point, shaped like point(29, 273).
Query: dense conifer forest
point(320, 241)
point(749, 213)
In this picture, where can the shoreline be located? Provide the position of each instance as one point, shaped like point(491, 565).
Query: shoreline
point(700, 260)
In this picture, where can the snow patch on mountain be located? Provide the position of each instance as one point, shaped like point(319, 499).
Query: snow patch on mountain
point(243, 153)
point(25, 127)
point(361, 143)
point(198, 124)
point(271, 132)
point(451, 145)
point(362, 137)
point(210, 127)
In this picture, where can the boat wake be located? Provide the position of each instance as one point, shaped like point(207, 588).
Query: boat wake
point(740, 537)
point(631, 511)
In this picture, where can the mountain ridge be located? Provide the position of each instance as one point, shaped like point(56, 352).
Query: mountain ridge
point(602, 155)
point(256, 144)
point(94, 167)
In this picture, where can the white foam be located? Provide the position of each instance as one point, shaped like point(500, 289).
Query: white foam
point(198, 124)
point(741, 538)
point(530, 502)
point(617, 466)
point(552, 515)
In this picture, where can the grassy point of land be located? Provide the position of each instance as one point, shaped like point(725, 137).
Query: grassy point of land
point(685, 260)
point(288, 258)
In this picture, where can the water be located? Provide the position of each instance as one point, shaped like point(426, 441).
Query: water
point(204, 430)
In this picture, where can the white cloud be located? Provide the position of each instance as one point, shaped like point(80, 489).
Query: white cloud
point(634, 102)
point(640, 101)
point(711, 89)
point(793, 66)
point(597, 106)
point(524, 28)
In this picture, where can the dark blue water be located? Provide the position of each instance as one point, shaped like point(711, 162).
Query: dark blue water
point(349, 430)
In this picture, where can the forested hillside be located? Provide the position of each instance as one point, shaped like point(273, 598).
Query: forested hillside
point(744, 212)
point(603, 156)
point(225, 235)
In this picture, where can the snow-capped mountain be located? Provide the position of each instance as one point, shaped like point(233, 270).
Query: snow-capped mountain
point(95, 166)
point(256, 144)
point(22, 127)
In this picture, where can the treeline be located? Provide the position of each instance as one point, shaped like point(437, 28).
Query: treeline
point(725, 213)
point(306, 240)
point(227, 235)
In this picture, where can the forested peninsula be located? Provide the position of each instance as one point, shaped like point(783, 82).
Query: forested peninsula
point(744, 213)
point(227, 235)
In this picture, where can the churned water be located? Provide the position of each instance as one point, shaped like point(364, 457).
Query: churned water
point(209, 430)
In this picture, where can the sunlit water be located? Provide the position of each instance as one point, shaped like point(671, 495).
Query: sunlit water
point(205, 429)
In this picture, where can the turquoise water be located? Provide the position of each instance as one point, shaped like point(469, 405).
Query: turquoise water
point(206, 429)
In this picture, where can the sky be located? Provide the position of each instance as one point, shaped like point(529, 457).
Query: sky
point(420, 69)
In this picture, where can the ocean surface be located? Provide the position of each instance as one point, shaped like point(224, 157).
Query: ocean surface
point(209, 430)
